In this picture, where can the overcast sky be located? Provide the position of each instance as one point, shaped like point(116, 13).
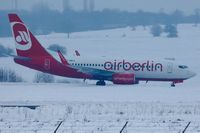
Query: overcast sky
point(187, 6)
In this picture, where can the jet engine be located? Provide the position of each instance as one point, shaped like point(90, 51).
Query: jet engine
point(123, 78)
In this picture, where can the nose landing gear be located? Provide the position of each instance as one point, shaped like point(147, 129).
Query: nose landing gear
point(176, 82)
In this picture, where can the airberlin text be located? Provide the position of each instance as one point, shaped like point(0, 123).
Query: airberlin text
point(135, 66)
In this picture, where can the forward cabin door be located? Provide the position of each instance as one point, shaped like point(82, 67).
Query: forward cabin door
point(169, 67)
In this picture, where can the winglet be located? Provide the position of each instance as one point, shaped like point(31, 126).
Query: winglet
point(77, 53)
point(62, 58)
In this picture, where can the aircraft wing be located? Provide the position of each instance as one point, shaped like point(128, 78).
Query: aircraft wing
point(94, 72)
point(91, 71)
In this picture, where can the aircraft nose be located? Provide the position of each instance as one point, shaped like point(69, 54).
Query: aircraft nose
point(191, 74)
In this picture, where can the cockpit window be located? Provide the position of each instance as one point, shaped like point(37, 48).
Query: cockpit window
point(183, 67)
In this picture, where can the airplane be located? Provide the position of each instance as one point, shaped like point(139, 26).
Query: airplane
point(31, 54)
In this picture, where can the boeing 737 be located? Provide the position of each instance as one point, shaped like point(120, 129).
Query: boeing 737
point(30, 53)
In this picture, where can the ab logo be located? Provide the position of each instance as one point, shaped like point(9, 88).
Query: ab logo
point(22, 37)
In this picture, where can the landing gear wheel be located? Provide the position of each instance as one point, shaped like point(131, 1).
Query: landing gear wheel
point(101, 83)
point(173, 84)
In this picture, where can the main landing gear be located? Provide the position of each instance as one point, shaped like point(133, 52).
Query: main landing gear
point(173, 84)
point(101, 83)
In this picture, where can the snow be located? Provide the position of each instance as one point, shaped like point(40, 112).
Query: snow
point(85, 108)
point(87, 92)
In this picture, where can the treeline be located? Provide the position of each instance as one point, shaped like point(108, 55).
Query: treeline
point(42, 20)
point(8, 75)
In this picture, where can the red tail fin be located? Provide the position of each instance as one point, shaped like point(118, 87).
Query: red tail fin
point(26, 44)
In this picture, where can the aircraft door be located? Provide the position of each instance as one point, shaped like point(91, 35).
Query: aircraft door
point(47, 64)
point(169, 67)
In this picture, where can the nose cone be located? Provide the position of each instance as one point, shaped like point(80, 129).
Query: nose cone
point(191, 74)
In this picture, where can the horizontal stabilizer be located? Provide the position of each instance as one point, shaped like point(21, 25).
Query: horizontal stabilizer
point(18, 57)
point(22, 58)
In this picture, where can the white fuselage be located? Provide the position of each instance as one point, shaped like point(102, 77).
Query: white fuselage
point(143, 69)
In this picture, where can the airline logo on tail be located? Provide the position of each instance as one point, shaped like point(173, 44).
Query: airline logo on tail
point(22, 37)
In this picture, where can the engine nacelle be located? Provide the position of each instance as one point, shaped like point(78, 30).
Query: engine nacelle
point(123, 78)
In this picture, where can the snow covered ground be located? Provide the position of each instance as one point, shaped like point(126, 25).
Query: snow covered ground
point(98, 117)
point(86, 108)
